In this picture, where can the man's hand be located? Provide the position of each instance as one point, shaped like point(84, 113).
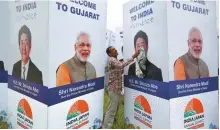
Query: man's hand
point(136, 54)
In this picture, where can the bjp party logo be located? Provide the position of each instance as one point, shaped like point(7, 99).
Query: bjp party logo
point(142, 111)
point(24, 115)
point(194, 115)
point(78, 115)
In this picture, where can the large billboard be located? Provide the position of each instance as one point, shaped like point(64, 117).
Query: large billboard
point(177, 41)
point(55, 73)
point(77, 45)
point(4, 36)
point(28, 64)
point(193, 64)
point(146, 80)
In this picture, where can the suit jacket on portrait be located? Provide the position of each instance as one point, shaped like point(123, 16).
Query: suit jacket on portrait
point(33, 75)
point(152, 71)
point(2, 68)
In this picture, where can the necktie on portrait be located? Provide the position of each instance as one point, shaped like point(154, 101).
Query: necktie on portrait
point(23, 74)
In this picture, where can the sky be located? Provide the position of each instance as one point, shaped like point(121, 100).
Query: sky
point(115, 14)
